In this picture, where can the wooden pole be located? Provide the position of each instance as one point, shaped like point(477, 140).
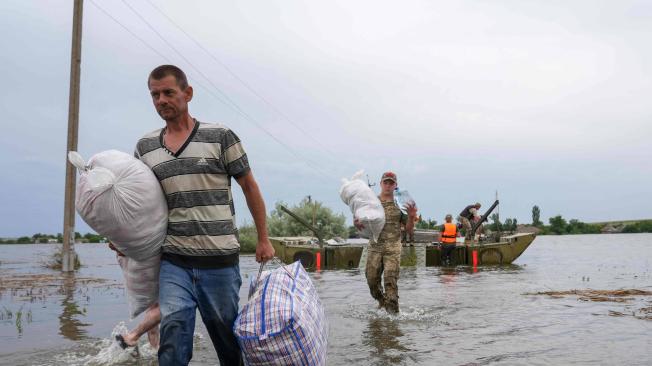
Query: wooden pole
point(68, 255)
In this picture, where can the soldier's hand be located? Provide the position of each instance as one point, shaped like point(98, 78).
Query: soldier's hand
point(358, 225)
point(411, 209)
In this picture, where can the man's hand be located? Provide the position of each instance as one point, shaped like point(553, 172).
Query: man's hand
point(358, 225)
point(264, 251)
point(113, 248)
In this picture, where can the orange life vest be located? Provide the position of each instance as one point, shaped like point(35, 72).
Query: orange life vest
point(449, 234)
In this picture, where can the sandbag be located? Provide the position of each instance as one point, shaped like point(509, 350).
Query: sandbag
point(120, 198)
point(284, 322)
point(364, 204)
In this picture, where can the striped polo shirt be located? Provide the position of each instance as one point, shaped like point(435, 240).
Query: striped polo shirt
point(196, 181)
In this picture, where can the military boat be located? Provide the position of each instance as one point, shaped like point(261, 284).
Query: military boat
point(315, 253)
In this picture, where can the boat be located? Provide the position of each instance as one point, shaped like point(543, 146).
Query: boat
point(315, 253)
point(352, 253)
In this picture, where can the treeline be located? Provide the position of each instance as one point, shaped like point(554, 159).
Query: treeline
point(559, 226)
point(638, 227)
point(39, 238)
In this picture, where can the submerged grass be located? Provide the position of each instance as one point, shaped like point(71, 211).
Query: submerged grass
point(619, 296)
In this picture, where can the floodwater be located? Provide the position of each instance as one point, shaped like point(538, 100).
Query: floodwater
point(448, 316)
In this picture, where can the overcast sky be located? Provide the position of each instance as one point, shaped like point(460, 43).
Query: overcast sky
point(546, 102)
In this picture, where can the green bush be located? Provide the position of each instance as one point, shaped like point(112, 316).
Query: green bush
point(248, 237)
point(330, 224)
point(639, 227)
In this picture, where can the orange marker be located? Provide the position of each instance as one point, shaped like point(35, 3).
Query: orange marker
point(475, 258)
point(318, 261)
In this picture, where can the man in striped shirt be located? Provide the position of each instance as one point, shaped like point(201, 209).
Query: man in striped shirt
point(194, 162)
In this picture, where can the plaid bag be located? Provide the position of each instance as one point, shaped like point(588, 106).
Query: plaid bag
point(284, 322)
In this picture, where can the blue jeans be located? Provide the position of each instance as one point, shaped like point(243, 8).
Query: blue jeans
point(215, 293)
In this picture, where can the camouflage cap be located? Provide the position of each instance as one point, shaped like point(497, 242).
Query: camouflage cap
point(388, 176)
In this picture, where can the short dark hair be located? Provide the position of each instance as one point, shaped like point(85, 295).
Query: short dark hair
point(166, 70)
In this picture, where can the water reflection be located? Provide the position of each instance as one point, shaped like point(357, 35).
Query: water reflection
point(70, 326)
point(383, 335)
point(447, 275)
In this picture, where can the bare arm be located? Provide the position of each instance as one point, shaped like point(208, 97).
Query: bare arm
point(256, 204)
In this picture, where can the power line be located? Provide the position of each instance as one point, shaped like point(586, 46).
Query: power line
point(233, 74)
point(233, 104)
point(230, 103)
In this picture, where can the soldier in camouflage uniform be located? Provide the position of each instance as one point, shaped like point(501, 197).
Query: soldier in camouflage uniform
point(384, 255)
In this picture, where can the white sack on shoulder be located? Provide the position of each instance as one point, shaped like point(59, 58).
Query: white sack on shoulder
point(120, 198)
point(364, 204)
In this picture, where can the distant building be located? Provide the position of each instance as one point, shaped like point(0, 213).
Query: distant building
point(611, 229)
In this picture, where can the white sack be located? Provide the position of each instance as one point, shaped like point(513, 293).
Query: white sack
point(120, 198)
point(364, 204)
point(141, 281)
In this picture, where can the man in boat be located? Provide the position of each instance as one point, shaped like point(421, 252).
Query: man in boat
point(466, 216)
point(194, 162)
point(384, 255)
point(448, 238)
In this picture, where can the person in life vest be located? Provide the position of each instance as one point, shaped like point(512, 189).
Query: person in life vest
point(384, 254)
point(466, 216)
point(448, 238)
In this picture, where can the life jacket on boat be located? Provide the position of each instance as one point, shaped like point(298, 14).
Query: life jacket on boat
point(449, 235)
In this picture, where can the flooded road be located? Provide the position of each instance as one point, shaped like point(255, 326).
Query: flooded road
point(448, 316)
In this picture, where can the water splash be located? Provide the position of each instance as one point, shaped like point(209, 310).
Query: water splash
point(409, 314)
point(107, 352)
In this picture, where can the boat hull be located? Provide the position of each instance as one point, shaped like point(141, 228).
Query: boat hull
point(349, 256)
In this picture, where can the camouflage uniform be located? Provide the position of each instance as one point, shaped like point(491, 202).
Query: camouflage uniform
point(466, 224)
point(384, 257)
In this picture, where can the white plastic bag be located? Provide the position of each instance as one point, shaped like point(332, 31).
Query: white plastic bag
point(120, 198)
point(364, 204)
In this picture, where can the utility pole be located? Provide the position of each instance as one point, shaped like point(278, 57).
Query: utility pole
point(68, 256)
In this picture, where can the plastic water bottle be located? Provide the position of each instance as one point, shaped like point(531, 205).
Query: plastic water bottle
point(402, 199)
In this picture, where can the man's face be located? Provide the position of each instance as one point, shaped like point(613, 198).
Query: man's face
point(387, 186)
point(168, 98)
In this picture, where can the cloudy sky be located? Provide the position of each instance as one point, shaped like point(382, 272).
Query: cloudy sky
point(545, 102)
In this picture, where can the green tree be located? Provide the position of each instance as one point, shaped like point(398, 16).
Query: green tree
point(248, 237)
point(428, 224)
point(353, 232)
point(639, 227)
point(536, 216)
point(558, 225)
point(24, 240)
point(331, 225)
point(508, 224)
point(496, 225)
